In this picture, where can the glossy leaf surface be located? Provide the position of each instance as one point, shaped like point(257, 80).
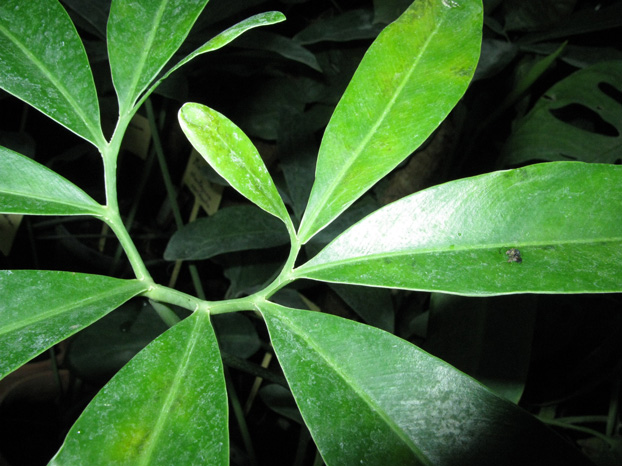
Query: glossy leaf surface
point(43, 62)
point(27, 187)
point(418, 70)
point(579, 118)
point(40, 308)
point(168, 405)
point(232, 154)
point(369, 397)
point(564, 219)
point(142, 37)
point(237, 228)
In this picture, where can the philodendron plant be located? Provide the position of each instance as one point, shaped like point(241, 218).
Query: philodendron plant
point(367, 396)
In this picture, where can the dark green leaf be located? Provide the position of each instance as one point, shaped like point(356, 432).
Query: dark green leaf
point(370, 397)
point(578, 56)
point(495, 56)
point(237, 228)
point(232, 154)
point(249, 271)
point(582, 21)
point(532, 73)
point(351, 25)
point(236, 334)
point(579, 118)
point(100, 350)
point(272, 101)
point(386, 11)
point(167, 406)
point(297, 164)
point(284, 46)
point(529, 15)
point(548, 228)
point(43, 62)
point(227, 36)
point(488, 338)
point(219, 11)
point(27, 187)
point(373, 305)
point(418, 71)
point(280, 400)
point(142, 37)
point(39, 308)
point(93, 13)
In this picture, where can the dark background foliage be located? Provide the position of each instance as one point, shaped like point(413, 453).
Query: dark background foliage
point(559, 355)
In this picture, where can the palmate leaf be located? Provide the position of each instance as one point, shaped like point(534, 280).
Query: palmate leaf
point(409, 80)
point(369, 397)
point(142, 37)
point(232, 154)
point(43, 63)
point(168, 405)
point(27, 187)
point(547, 228)
point(40, 308)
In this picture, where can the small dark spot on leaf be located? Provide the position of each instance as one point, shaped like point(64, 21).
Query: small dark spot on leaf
point(514, 255)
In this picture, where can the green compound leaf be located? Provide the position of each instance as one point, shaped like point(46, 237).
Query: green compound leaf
point(369, 397)
point(40, 308)
point(237, 228)
point(168, 405)
point(547, 228)
point(409, 80)
point(232, 154)
point(27, 187)
point(43, 63)
point(579, 118)
point(142, 37)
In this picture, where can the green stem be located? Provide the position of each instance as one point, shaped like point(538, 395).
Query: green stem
point(170, 189)
point(111, 213)
point(232, 305)
point(113, 219)
point(286, 275)
point(178, 298)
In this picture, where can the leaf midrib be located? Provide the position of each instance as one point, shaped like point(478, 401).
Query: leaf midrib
point(132, 89)
point(357, 389)
point(165, 411)
point(97, 137)
point(89, 202)
point(59, 310)
point(304, 269)
point(337, 181)
point(264, 201)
